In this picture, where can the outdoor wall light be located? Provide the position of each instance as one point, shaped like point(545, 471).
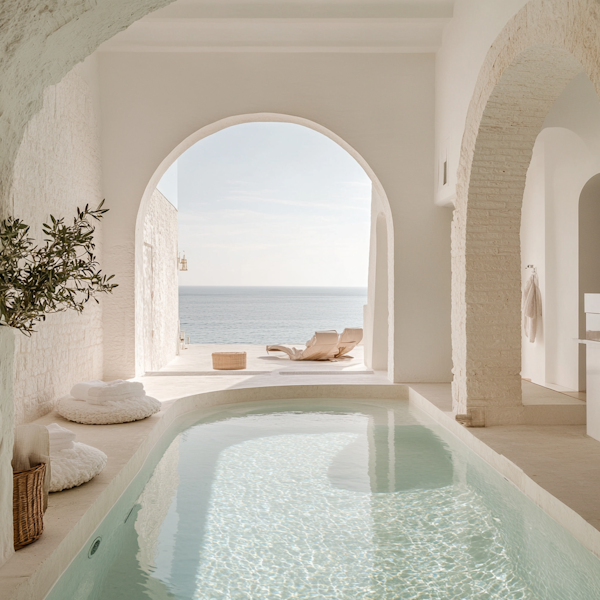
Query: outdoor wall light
point(182, 262)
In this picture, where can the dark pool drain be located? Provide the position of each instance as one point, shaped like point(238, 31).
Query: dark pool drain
point(94, 547)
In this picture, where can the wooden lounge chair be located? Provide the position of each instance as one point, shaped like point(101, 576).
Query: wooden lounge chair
point(322, 346)
point(348, 339)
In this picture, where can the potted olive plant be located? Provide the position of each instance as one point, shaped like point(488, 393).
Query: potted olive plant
point(61, 273)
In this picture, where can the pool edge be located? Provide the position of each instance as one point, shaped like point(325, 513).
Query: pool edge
point(41, 577)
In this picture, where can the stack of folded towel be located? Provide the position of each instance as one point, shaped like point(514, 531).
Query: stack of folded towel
point(60, 438)
point(99, 403)
point(71, 463)
point(99, 392)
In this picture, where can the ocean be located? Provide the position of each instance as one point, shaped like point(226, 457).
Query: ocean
point(267, 315)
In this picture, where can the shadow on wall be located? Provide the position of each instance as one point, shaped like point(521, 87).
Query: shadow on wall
point(589, 257)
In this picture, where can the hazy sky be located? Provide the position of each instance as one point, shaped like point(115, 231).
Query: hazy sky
point(271, 204)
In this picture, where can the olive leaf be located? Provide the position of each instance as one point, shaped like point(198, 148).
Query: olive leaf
point(58, 275)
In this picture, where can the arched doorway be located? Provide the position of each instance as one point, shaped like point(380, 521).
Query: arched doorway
point(377, 332)
point(525, 71)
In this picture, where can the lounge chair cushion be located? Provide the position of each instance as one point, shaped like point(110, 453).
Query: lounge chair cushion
point(73, 466)
point(119, 411)
point(349, 339)
point(322, 346)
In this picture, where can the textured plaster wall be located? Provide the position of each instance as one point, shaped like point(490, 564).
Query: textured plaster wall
point(160, 306)
point(39, 44)
point(58, 169)
point(539, 51)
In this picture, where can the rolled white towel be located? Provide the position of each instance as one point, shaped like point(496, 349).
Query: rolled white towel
point(60, 438)
point(81, 390)
point(99, 392)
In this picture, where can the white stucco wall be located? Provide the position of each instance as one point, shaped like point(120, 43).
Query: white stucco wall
point(566, 155)
point(58, 169)
point(378, 327)
point(466, 41)
point(533, 252)
point(160, 305)
point(152, 102)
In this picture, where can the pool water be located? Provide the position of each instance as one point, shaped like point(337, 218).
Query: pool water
point(317, 499)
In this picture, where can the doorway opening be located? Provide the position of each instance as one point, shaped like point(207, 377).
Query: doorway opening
point(274, 219)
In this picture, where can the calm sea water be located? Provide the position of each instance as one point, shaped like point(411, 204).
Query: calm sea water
point(267, 315)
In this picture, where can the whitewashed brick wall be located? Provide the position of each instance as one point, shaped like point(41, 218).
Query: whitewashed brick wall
point(542, 48)
point(161, 298)
point(57, 169)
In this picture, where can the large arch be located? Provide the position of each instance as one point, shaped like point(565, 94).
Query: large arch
point(392, 128)
point(379, 197)
point(539, 51)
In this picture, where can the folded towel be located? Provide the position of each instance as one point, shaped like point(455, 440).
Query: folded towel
point(60, 438)
point(81, 390)
point(99, 392)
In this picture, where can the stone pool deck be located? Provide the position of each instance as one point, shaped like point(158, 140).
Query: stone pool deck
point(557, 466)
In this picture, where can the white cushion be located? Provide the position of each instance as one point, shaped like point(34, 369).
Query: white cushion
point(73, 466)
point(118, 411)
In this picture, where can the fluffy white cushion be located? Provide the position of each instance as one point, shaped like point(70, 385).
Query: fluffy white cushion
point(118, 411)
point(73, 466)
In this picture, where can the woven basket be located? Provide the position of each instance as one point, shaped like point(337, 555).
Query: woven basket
point(28, 505)
point(229, 361)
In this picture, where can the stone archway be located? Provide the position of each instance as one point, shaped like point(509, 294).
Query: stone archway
point(539, 51)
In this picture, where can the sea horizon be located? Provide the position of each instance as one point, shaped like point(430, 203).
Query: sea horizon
point(267, 314)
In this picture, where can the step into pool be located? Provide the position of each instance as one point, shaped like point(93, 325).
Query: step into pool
point(325, 499)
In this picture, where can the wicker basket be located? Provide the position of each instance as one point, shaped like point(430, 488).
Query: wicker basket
point(28, 505)
point(229, 361)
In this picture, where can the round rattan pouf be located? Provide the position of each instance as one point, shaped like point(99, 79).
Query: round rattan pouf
point(229, 361)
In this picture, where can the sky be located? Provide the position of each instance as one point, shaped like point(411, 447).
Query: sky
point(271, 204)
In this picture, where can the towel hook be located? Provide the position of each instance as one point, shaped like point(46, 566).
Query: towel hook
point(532, 267)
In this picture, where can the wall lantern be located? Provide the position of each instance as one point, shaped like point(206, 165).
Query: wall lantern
point(182, 262)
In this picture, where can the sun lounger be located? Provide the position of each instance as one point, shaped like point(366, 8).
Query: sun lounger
point(322, 346)
point(348, 339)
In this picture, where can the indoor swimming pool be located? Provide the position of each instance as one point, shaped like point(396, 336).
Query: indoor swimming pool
point(325, 499)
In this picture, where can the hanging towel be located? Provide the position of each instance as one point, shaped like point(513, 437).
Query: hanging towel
point(531, 305)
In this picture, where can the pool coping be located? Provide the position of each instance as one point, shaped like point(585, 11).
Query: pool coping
point(31, 573)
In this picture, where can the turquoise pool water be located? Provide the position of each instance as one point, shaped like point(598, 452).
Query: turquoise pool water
point(317, 499)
